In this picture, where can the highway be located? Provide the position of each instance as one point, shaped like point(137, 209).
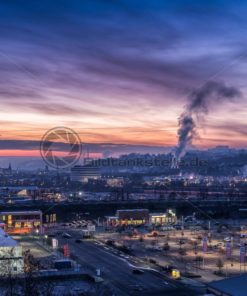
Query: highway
point(117, 272)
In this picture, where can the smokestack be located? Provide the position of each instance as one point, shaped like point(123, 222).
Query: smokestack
point(200, 100)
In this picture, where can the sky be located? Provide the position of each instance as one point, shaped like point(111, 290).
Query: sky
point(119, 72)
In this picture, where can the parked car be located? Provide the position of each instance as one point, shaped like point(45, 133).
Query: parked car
point(66, 235)
point(169, 268)
point(181, 242)
point(78, 241)
point(137, 271)
point(227, 239)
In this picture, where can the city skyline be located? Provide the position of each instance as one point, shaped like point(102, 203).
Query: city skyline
point(119, 73)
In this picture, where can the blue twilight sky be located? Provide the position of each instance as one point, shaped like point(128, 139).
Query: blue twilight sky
point(120, 71)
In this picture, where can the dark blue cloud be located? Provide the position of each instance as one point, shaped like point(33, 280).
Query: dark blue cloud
point(126, 45)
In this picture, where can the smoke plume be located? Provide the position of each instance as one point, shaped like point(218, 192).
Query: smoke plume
point(200, 101)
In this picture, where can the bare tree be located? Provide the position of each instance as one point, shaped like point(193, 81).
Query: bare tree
point(195, 245)
point(47, 288)
point(31, 266)
point(220, 265)
point(183, 253)
point(141, 239)
point(8, 271)
point(198, 260)
point(166, 247)
point(100, 289)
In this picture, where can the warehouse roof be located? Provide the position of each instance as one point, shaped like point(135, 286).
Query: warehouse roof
point(6, 241)
point(235, 286)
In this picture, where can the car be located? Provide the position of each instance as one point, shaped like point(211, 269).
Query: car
point(78, 241)
point(66, 235)
point(137, 271)
point(227, 239)
point(169, 268)
point(58, 233)
point(217, 245)
point(78, 290)
point(137, 288)
point(152, 261)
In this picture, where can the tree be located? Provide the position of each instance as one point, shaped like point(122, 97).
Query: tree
point(166, 247)
point(141, 239)
point(195, 244)
point(220, 265)
point(9, 270)
point(31, 266)
point(182, 253)
point(130, 234)
point(153, 243)
point(47, 288)
point(100, 289)
point(198, 260)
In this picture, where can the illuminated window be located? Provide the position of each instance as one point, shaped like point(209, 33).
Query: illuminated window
point(9, 220)
point(27, 224)
point(17, 224)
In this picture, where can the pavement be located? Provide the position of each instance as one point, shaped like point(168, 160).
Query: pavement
point(117, 271)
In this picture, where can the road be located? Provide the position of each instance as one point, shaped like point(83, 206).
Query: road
point(117, 272)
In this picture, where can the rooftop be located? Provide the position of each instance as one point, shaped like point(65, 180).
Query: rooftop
point(133, 210)
point(19, 187)
point(20, 212)
point(6, 241)
point(235, 286)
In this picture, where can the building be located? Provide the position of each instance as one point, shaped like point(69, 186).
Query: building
point(129, 217)
point(21, 221)
point(115, 182)
point(84, 173)
point(235, 286)
point(29, 192)
point(49, 219)
point(141, 217)
point(11, 260)
point(6, 171)
point(167, 218)
point(134, 217)
point(17, 199)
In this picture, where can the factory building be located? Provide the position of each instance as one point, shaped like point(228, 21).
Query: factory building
point(84, 173)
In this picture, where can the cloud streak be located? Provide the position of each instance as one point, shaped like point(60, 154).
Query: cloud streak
point(89, 61)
